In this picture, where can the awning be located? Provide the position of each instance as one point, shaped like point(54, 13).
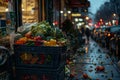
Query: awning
point(79, 3)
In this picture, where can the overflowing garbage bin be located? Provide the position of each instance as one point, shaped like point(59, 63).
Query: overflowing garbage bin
point(5, 64)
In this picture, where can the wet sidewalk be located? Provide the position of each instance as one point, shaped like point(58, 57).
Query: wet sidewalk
point(94, 64)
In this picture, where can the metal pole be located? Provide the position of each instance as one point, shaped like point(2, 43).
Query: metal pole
point(59, 13)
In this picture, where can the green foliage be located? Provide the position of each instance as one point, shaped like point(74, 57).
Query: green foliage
point(45, 30)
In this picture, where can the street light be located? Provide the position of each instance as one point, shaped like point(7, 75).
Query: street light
point(69, 12)
point(65, 14)
point(80, 19)
point(114, 15)
point(61, 12)
point(76, 20)
point(87, 18)
point(6, 9)
point(115, 19)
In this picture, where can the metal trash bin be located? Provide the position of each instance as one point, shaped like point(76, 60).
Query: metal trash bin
point(5, 68)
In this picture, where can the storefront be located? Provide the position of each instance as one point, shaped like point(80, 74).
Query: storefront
point(26, 11)
point(5, 19)
point(3, 9)
point(29, 11)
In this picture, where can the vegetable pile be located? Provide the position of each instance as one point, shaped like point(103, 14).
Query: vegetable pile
point(41, 34)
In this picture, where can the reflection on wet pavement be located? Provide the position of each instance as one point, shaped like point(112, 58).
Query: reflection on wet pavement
point(94, 64)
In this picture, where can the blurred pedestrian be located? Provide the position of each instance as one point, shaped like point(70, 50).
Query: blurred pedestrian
point(87, 33)
point(82, 30)
point(67, 26)
point(80, 36)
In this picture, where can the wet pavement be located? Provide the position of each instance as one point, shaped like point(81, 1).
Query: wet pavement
point(86, 66)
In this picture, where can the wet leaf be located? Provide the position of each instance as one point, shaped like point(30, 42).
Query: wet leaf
point(90, 70)
point(102, 62)
point(102, 75)
point(91, 66)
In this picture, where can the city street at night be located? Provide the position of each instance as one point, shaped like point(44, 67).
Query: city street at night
point(86, 65)
point(59, 39)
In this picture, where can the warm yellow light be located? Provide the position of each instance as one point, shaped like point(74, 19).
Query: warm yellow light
point(76, 15)
point(109, 34)
point(114, 14)
point(101, 20)
point(69, 12)
point(6, 9)
point(87, 18)
point(65, 14)
point(23, 9)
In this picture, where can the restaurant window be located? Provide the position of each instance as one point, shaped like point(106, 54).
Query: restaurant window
point(3, 9)
point(29, 11)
